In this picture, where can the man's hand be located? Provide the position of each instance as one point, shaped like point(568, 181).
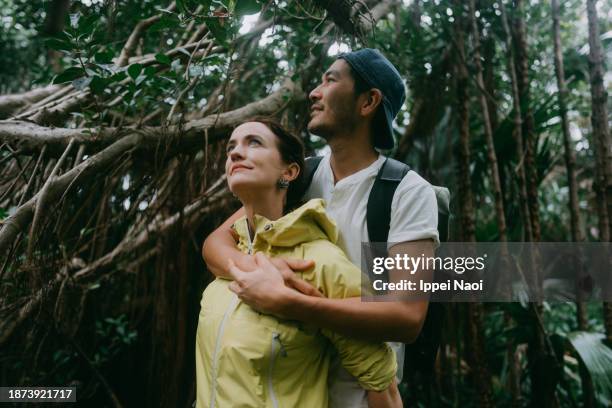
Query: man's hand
point(264, 287)
point(389, 398)
point(288, 267)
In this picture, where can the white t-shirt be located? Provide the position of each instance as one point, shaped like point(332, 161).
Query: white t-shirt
point(414, 216)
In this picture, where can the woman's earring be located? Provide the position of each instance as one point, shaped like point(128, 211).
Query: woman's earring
point(282, 183)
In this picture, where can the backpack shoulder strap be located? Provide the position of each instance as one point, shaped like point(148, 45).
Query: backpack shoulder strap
point(420, 356)
point(378, 212)
point(443, 198)
point(311, 164)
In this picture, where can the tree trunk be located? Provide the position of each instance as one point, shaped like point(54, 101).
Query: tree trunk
point(528, 128)
point(463, 152)
point(599, 121)
point(54, 24)
point(601, 138)
point(570, 155)
point(492, 156)
point(488, 74)
point(588, 392)
point(517, 131)
point(517, 134)
point(475, 311)
point(475, 349)
point(462, 106)
point(544, 370)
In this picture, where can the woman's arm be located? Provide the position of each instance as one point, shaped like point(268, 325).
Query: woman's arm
point(373, 364)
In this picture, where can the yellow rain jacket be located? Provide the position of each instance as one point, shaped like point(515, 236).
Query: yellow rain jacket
point(248, 359)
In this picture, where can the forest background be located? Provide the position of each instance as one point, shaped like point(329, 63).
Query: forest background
point(113, 121)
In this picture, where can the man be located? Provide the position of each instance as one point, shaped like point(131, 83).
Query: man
point(353, 109)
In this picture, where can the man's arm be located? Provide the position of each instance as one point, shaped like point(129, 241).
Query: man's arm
point(220, 246)
point(389, 398)
point(375, 321)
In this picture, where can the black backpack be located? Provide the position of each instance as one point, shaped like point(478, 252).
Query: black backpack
point(420, 356)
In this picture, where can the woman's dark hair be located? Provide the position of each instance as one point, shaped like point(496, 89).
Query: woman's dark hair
point(291, 149)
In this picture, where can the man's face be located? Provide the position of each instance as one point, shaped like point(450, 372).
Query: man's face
point(333, 101)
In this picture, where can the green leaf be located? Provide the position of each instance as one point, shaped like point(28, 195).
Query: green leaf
point(134, 70)
point(316, 50)
point(59, 44)
point(244, 7)
point(597, 357)
point(205, 5)
point(150, 71)
point(97, 85)
point(104, 57)
point(88, 24)
point(217, 27)
point(69, 75)
point(163, 59)
point(119, 76)
point(164, 22)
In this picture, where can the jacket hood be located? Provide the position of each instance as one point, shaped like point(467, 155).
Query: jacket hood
point(306, 223)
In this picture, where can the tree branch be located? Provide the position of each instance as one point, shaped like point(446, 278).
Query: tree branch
point(40, 204)
point(124, 140)
point(9, 104)
point(132, 42)
point(353, 16)
point(30, 137)
point(212, 200)
point(59, 105)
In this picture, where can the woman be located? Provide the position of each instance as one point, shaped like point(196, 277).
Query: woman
point(245, 358)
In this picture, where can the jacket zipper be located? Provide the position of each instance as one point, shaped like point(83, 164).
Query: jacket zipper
point(250, 248)
point(275, 349)
point(230, 308)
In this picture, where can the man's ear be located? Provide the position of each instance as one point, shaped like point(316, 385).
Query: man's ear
point(291, 172)
point(371, 100)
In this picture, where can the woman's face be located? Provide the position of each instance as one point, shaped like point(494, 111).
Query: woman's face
point(253, 160)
